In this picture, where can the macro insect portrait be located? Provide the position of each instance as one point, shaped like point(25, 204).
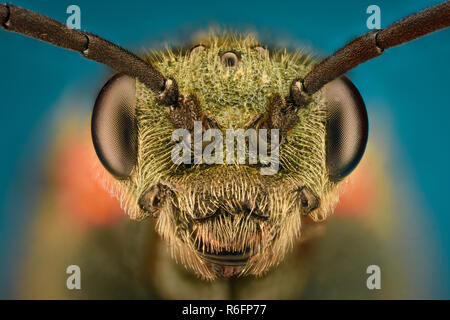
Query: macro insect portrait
point(227, 157)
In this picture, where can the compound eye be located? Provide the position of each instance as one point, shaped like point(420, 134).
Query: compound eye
point(347, 127)
point(195, 51)
point(229, 59)
point(113, 126)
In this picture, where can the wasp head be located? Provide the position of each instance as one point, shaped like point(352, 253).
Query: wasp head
point(222, 218)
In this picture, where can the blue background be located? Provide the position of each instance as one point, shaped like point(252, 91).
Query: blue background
point(408, 84)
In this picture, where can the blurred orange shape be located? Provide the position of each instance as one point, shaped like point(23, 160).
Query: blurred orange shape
point(79, 190)
point(360, 193)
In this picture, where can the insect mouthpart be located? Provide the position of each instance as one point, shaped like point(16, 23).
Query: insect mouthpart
point(226, 263)
point(224, 257)
point(227, 255)
point(229, 220)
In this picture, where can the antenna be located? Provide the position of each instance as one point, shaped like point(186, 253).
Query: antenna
point(369, 46)
point(35, 25)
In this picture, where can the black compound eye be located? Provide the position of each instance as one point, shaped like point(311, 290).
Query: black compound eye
point(229, 59)
point(347, 127)
point(113, 126)
point(197, 49)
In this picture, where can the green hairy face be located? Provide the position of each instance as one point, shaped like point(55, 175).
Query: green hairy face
point(229, 219)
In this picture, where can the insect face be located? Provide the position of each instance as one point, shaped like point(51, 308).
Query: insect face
point(227, 218)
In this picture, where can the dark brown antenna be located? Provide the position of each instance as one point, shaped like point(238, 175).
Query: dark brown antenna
point(35, 25)
point(369, 46)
